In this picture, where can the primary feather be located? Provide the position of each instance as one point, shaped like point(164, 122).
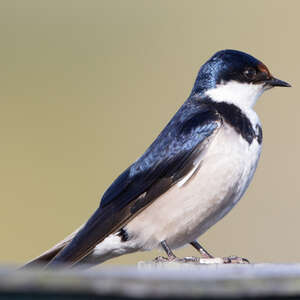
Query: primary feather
point(162, 165)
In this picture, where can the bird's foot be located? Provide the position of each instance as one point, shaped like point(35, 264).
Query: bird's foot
point(191, 259)
point(235, 260)
point(217, 260)
point(206, 261)
point(161, 259)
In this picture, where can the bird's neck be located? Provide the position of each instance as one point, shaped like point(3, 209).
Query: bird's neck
point(243, 95)
point(240, 116)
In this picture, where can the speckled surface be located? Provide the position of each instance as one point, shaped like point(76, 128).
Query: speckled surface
point(149, 281)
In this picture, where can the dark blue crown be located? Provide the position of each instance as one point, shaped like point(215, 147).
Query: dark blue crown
point(224, 66)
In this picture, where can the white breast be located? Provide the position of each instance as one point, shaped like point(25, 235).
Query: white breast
point(201, 199)
point(216, 183)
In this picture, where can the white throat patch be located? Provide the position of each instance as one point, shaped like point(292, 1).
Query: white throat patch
point(243, 95)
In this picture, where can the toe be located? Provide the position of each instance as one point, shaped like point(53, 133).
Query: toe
point(161, 259)
point(191, 259)
point(235, 260)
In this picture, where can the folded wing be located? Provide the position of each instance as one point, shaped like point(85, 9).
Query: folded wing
point(166, 161)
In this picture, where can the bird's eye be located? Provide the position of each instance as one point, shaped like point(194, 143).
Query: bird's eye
point(250, 73)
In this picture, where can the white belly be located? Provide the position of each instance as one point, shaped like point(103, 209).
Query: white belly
point(193, 205)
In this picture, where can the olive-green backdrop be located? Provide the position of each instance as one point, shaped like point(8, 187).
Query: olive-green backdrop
point(85, 87)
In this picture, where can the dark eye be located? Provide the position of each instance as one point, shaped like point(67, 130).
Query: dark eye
point(250, 73)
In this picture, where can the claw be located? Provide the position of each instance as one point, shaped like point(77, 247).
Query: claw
point(161, 259)
point(191, 259)
point(235, 260)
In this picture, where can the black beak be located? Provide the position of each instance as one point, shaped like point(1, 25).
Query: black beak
point(276, 82)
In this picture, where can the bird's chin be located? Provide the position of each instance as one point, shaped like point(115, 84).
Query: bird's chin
point(267, 87)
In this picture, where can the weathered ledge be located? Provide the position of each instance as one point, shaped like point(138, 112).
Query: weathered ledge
point(154, 281)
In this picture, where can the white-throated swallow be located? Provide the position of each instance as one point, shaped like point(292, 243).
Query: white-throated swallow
point(190, 177)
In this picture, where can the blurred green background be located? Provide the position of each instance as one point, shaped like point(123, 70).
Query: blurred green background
point(87, 85)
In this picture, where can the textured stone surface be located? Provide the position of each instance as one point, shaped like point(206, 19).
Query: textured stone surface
point(150, 281)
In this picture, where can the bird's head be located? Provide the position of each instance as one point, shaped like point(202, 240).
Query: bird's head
point(236, 77)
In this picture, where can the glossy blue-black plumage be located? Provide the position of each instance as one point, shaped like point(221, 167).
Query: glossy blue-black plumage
point(194, 122)
point(165, 160)
point(189, 126)
point(225, 65)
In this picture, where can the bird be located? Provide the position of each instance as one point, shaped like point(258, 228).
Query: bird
point(189, 178)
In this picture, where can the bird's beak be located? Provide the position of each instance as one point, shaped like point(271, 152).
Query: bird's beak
point(276, 82)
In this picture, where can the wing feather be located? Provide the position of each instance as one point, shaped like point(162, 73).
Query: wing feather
point(166, 161)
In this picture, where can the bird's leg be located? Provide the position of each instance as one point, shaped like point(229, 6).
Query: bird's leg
point(200, 249)
point(170, 254)
point(208, 258)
